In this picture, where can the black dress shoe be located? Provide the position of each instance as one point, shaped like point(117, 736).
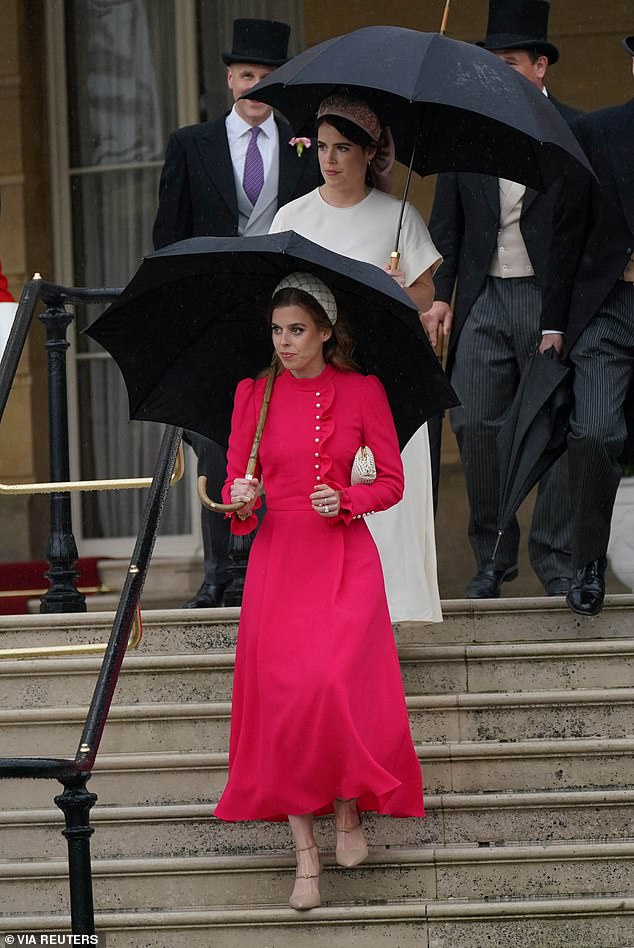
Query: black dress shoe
point(487, 583)
point(208, 596)
point(587, 589)
point(558, 586)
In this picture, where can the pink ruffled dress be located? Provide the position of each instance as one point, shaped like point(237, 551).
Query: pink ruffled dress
point(318, 704)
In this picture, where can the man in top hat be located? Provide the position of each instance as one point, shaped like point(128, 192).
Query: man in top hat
point(590, 298)
point(227, 177)
point(494, 236)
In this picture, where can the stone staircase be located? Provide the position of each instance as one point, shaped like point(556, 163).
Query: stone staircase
point(523, 718)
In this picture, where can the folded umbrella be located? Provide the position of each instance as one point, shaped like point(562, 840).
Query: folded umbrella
point(191, 324)
point(533, 435)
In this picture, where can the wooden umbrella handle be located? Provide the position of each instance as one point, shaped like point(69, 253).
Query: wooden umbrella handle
point(445, 18)
point(253, 457)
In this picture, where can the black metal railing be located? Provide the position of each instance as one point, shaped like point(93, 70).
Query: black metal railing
point(73, 773)
point(62, 595)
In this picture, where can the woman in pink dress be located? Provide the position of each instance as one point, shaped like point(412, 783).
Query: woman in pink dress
point(319, 719)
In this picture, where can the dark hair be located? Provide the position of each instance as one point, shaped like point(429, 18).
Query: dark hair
point(339, 348)
point(348, 129)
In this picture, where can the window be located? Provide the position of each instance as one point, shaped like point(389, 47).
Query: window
point(124, 73)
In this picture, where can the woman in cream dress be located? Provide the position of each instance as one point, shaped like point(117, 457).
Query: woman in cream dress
point(351, 215)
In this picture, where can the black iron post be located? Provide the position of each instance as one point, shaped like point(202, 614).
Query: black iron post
point(62, 595)
point(76, 802)
point(239, 549)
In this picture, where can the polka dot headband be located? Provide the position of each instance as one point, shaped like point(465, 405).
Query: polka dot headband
point(315, 287)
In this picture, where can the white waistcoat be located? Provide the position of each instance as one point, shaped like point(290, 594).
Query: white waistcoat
point(511, 257)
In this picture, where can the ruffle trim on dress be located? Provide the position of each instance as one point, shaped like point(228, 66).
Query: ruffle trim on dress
point(345, 514)
point(323, 389)
point(326, 421)
point(240, 527)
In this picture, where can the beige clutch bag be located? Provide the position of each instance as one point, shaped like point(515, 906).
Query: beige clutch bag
point(363, 467)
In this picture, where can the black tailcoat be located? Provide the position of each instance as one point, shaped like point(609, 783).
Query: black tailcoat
point(197, 193)
point(596, 235)
point(464, 226)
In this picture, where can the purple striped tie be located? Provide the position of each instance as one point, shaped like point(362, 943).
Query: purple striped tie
point(253, 179)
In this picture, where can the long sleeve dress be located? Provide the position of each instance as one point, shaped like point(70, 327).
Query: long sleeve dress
point(404, 534)
point(318, 704)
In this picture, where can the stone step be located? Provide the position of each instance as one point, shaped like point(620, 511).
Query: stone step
point(190, 725)
point(188, 677)
point(466, 621)
point(486, 819)
point(170, 582)
point(166, 631)
point(591, 763)
point(538, 666)
point(538, 923)
point(131, 729)
point(505, 872)
point(430, 670)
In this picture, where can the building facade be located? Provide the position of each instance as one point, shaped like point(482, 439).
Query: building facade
point(89, 91)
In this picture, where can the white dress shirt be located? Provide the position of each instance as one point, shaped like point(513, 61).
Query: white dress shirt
point(238, 136)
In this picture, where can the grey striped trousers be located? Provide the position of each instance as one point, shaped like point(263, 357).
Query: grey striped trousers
point(603, 360)
point(498, 336)
point(212, 463)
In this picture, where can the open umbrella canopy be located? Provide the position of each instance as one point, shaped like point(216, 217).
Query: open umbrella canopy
point(534, 432)
point(454, 106)
point(191, 324)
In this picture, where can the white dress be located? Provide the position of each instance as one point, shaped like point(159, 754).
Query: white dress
point(404, 534)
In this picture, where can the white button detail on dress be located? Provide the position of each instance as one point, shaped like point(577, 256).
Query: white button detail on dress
point(317, 417)
point(316, 467)
point(318, 405)
point(318, 477)
point(317, 394)
point(316, 440)
point(316, 454)
point(317, 428)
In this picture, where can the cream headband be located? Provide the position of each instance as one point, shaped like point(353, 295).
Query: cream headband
point(315, 287)
point(355, 111)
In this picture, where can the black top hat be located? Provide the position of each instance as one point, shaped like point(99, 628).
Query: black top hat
point(264, 42)
point(628, 43)
point(520, 24)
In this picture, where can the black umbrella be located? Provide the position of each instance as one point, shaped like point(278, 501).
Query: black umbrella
point(451, 106)
point(534, 432)
point(191, 324)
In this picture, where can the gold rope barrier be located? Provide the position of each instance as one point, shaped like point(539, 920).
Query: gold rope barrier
point(57, 651)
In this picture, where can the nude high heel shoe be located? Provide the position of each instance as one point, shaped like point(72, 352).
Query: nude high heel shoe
point(308, 899)
point(350, 857)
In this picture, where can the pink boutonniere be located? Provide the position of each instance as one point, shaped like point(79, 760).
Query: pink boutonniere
point(300, 144)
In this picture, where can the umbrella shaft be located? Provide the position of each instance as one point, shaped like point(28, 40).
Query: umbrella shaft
point(405, 193)
point(253, 457)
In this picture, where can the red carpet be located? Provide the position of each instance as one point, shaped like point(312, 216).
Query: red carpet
point(26, 581)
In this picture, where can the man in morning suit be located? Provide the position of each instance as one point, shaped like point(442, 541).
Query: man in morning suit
point(590, 299)
point(225, 178)
point(494, 236)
